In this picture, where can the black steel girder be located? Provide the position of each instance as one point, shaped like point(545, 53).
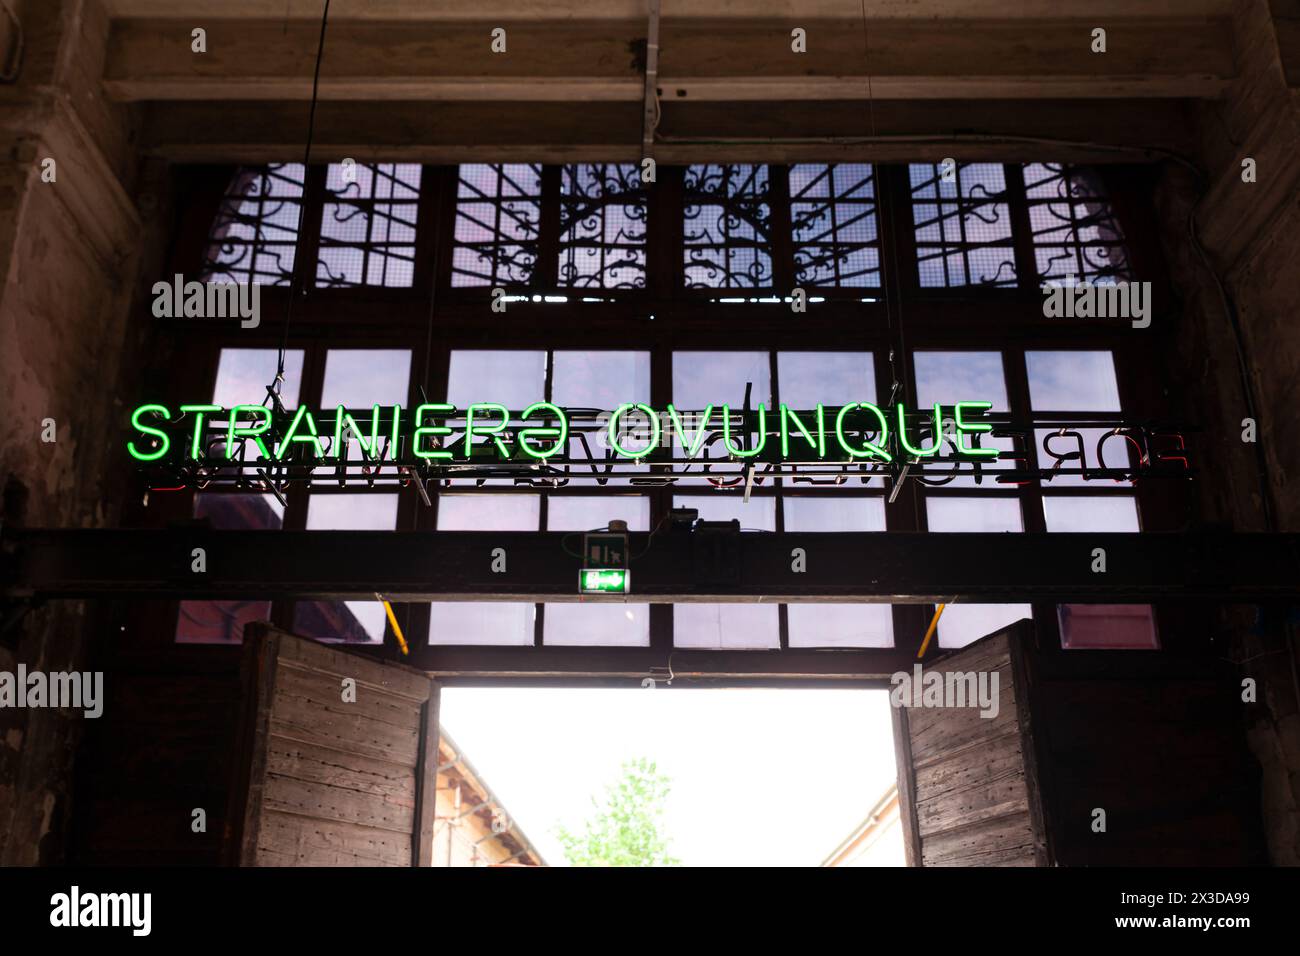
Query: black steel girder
point(670, 566)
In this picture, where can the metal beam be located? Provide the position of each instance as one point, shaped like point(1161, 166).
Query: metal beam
point(668, 567)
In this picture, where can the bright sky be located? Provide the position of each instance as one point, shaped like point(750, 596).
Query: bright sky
point(760, 777)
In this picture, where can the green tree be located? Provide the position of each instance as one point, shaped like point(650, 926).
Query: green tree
point(624, 829)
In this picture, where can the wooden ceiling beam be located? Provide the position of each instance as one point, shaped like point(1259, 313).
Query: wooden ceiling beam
point(515, 11)
point(701, 59)
point(688, 132)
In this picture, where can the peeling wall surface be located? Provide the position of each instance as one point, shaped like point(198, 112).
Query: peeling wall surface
point(1251, 234)
point(68, 257)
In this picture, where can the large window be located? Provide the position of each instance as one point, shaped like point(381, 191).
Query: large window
point(679, 291)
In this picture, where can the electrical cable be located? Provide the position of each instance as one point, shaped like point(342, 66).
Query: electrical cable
point(294, 281)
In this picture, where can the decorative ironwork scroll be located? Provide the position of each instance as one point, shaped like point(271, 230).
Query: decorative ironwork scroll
point(253, 238)
point(727, 227)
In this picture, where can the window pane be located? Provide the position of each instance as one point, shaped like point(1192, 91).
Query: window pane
point(222, 622)
point(244, 374)
point(1100, 625)
point(368, 225)
point(585, 512)
point(254, 235)
point(1108, 626)
point(359, 622)
point(712, 378)
point(963, 226)
point(727, 227)
point(602, 226)
point(1103, 514)
point(701, 379)
point(1099, 447)
point(498, 217)
point(606, 623)
point(838, 625)
point(833, 222)
point(488, 512)
point(1072, 381)
point(1075, 232)
point(514, 379)
point(360, 378)
point(485, 622)
point(832, 378)
point(963, 623)
point(603, 380)
point(728, 626)
point(952, 377)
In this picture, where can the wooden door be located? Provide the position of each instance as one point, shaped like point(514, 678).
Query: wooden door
point(338, 758)
point(967, 783)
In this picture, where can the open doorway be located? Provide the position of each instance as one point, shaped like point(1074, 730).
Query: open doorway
point(664, 776)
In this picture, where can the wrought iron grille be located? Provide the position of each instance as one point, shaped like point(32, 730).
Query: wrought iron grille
point(253, 239)
point(498, 223)
point(963, 225)
point(1073, 227)
point(602, 227)
point(833, 225)
point(368, 225)
point(727, 227)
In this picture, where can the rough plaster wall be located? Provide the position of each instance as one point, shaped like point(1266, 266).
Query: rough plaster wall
point(67, 272)
point(1252, 234)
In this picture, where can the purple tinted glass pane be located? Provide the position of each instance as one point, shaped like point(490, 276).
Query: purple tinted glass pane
point(596, 623)
point(1105, 625)
point(714, 378)
point(733, 626)
point(368, 229)
point(1108, 627)
point(223, 622)
point(603, 380)
point(1102, 513)
point(512, 378)
point(838, 625)
point(244, 374)
point(488, 512)
point(1092, 448)
point(361, 378)
point(602, 226)
point(951, 377)
point(805, 379)
point(357, 622)
point(496, 622)
point(973, 514)
point(583, 513)
point(254, 235)
point(833, 222)
point(962, 225)
point(961, 624)
point(726, 227)
point(498, 219)
point(1073, 381)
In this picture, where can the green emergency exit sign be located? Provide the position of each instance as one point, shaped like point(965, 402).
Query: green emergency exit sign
point(603, 581)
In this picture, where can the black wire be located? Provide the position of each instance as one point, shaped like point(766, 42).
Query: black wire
point(294, 281)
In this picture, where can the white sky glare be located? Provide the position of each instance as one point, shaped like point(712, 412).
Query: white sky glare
point(773, 777)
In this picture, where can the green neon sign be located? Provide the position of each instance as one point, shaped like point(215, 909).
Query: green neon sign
point(441, 434)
